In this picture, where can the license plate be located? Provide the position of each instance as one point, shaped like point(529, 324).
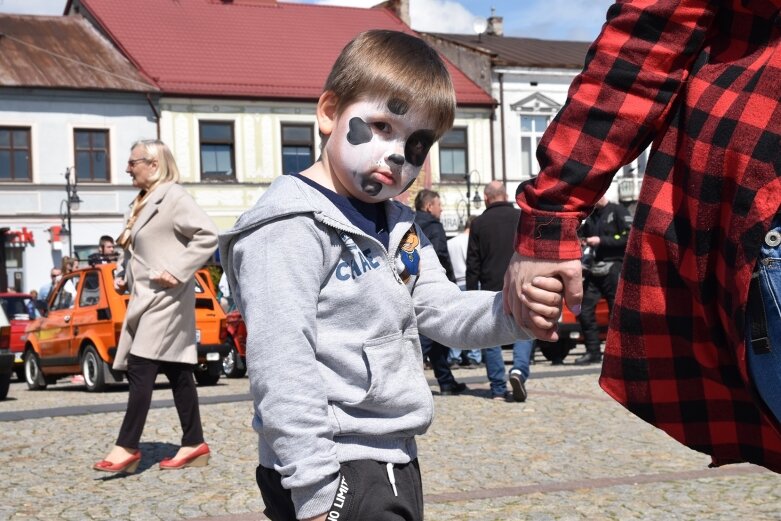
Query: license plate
point(211, 357)
point(197, 336)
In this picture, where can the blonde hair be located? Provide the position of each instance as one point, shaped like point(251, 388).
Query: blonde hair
point(393, 65)
point(167, 171)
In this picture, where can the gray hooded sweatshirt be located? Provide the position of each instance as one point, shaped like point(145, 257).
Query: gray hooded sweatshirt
point(333, 318)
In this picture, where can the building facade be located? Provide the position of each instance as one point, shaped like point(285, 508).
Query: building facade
point(70, 105)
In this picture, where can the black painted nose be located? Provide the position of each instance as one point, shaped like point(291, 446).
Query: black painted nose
point(397, 159)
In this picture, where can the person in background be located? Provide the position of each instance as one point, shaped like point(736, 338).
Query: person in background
point(428, 209)
point(691, 327)
point(456, 249)
point(55, 275)
point(158, 334)
point(106, 251)
point(488, 254)
point(605, 231)
point(32, 305)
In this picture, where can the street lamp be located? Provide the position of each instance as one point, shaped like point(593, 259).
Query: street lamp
point(475, 201)
point(72, 202)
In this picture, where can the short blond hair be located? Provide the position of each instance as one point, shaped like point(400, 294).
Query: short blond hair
point(167, 171)
point(397, 66)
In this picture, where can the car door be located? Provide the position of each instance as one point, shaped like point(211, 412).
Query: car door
point(56, 331)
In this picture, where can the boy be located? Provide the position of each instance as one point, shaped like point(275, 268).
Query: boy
point(335, 281)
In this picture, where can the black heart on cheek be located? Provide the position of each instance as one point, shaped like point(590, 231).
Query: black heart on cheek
point(417, 146)
point(360, 132)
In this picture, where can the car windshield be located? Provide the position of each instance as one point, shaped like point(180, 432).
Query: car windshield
point(14, 306)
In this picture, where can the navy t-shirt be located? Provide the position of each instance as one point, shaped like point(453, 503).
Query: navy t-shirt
point(370, 218)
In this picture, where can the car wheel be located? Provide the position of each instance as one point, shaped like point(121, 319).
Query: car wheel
point(230, 364)
point(92, 370)
point(5, 383)
point(557, 351)
point(32, 372)
point(205, 378)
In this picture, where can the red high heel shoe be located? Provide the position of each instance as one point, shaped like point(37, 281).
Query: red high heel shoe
point(199, 458)
point(128, 466)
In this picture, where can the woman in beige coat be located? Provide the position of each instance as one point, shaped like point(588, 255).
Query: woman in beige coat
point(167, 237)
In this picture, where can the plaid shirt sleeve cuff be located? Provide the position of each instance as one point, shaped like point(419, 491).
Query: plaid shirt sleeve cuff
point(547, 237)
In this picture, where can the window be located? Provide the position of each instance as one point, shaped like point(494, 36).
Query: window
point(92, 159)
point(90, 290)
point(298, 145)
point(452, 154)
point(532, 127)
point(217, 150)
point(66, 294)
point(15, 162)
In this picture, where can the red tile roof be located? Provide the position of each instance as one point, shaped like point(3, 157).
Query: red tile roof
point(245, 48)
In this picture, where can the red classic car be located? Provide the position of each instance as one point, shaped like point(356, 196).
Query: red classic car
point(17, 308)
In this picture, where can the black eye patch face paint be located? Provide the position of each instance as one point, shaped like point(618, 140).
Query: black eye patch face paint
point(398, 106)
point(417, 146)
point(360, 132)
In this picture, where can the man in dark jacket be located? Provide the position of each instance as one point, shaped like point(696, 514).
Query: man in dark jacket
point(428, 209)
point(487, 257)
point(605, 232)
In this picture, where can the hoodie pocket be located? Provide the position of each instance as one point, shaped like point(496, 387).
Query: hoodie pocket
point(398, 399)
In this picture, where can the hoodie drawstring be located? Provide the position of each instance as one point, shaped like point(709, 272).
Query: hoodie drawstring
point(392, 478)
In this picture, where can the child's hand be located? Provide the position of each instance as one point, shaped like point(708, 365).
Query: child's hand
point(543, 299)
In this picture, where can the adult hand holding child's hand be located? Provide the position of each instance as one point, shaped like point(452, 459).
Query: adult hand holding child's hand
point(533, 288)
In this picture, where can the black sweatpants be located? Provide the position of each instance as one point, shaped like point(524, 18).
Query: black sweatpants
point(365, 493)
point(141, 374)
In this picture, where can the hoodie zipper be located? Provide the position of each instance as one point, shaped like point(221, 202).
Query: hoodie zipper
point(354, 231)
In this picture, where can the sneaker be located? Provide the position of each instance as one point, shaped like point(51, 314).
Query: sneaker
point(517, 383)
point(506, 397)
point(453, 389)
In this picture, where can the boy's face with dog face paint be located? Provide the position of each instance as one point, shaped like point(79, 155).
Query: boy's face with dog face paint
point(377, 147)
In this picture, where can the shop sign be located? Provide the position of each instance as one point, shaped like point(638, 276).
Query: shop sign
point(19, 238)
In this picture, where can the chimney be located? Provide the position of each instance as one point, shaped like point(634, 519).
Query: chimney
point(399, 7)
point(495, 25)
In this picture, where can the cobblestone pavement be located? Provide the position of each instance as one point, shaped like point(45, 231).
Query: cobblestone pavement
point(568, 453)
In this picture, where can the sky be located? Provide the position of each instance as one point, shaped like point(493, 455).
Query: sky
point(547, 19)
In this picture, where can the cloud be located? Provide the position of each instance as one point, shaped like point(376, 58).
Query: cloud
point(441, 16)
point(558, 19)
point(50, 7)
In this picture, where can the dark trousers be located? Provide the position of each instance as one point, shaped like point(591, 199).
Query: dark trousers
point(438, 354)
point(141, 374)
point(365, 493)
point(594, 288)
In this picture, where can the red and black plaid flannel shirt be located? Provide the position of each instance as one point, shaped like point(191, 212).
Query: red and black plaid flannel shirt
point(701, 80)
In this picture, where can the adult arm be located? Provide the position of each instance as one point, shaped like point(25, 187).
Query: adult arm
point(190, 221)
point(632, 76)
point(276, 272)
